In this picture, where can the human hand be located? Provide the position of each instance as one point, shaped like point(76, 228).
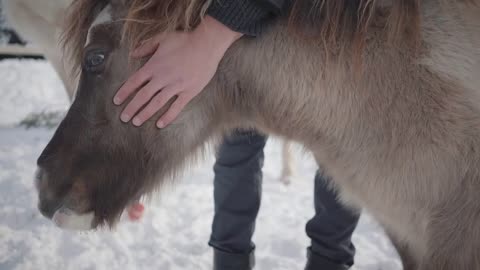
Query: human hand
point(182, 64)
point(135, 211)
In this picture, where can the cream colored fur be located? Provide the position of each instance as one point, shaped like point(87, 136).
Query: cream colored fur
point(402, 141)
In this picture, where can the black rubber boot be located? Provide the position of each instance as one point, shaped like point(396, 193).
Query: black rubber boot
point(231, 261)
point(317, 262)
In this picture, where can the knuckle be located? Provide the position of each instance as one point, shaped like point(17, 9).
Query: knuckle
point(183, 100)
point(123, 91)
point(186, 97)
point(129, 109)
point(146, 113)
point(142, 96)
point(177, 109)
point(158, 100)
point(150, 90)
point(181, 82)
point(140, 77)
point(168, 93)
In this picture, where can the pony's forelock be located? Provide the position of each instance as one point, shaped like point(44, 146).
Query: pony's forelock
point(80, 16)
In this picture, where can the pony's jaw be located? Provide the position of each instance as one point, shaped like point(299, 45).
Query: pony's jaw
point(67, 219)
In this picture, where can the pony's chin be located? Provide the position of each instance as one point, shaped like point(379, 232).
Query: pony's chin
point(67, 219)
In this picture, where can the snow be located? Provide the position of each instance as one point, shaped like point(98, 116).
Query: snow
point(28, 86)
point(175, 230)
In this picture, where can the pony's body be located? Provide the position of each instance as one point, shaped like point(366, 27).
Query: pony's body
point(402, 140)
point(400, 136)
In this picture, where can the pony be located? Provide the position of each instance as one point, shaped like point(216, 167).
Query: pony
point(385, 94)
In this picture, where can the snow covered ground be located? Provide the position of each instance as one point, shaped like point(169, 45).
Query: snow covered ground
point(176, 226)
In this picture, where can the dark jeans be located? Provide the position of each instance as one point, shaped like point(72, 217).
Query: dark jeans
point(237, 194)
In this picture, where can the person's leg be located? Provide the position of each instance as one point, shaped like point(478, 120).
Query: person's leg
point(237, 194)
point(330, 230)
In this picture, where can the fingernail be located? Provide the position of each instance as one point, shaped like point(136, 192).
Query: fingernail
point(116, 101)
point(124, 117)
point(136, 122)
point(160, 124)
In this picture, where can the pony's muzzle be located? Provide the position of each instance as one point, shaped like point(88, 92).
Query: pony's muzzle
point(47, 208)
point(60, 209)
point(47, 205)
point(66, 218)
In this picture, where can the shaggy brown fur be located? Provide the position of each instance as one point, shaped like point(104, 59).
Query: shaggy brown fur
point(402, 141)
point(326, 20)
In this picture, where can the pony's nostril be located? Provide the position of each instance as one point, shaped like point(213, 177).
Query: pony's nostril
point(38, 178)
point(47, 154)
point(47, 208)
point(41, 160)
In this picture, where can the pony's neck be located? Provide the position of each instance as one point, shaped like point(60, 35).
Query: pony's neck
point(268, 83)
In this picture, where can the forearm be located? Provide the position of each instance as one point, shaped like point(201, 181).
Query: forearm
point(216, 35)
point(246, 16)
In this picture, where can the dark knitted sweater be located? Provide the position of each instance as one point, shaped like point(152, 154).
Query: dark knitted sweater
point(247, 16)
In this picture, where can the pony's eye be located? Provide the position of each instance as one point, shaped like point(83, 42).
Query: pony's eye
point(94, 61)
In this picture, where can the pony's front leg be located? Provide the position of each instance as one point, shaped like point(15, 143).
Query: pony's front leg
point(454, 240)
point(409, 261)
point(287, 163)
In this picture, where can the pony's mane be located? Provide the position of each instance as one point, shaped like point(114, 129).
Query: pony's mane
point(329, 21)
point(80, 16)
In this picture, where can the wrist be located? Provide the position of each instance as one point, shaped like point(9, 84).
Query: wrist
point(216, 34)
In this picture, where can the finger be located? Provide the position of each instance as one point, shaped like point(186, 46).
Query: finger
point(133, 83)
point(143, 96)
point(173, 111)
point(147, 48)
point(156, 104)
point(135, 211)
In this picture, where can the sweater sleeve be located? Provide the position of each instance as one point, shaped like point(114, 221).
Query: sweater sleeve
point(244, 16)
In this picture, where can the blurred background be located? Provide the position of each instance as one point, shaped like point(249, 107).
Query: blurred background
point(12, 45)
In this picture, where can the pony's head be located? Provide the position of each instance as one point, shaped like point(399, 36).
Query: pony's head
point(95, 165)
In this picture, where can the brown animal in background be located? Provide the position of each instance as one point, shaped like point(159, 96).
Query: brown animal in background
point(393, 118)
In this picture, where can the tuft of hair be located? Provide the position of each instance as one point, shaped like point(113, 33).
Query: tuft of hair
point(343, 24)
point(80, 15)
point(146, 18)
point(339, 24)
